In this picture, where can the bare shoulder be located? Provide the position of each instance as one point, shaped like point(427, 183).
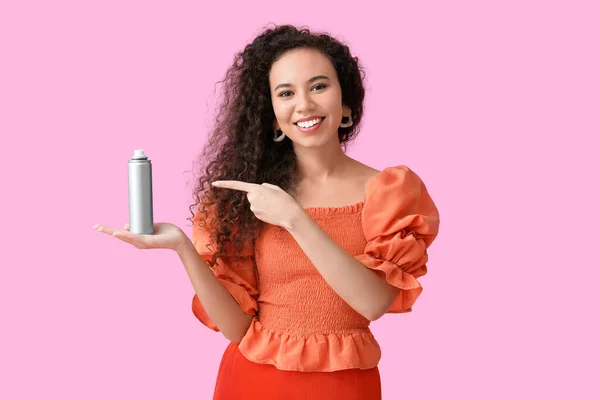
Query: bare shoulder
point(362, 172)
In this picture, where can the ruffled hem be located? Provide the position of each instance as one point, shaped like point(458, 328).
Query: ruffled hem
point(319, 352)
point(410, 288)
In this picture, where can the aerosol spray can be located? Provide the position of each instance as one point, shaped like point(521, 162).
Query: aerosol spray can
point(141, 220)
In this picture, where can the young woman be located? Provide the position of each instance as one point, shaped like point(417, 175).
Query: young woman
point(296, 247)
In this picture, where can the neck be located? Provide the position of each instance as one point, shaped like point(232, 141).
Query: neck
point(320, 163)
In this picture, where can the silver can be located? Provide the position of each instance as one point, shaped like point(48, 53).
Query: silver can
point(141, 220)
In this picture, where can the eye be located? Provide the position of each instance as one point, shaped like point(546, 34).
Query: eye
point(286, 93)
point(319, 86)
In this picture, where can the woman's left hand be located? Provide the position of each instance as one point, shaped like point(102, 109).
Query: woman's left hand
point(269, 203)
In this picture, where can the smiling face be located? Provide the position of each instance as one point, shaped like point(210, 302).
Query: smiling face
point(306, 97)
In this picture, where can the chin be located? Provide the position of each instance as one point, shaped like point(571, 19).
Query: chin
point(312, 142)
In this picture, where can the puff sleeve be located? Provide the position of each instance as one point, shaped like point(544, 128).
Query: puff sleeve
point(400, 221)
point(236, 275)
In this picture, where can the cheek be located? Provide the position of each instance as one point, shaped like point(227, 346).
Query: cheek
point(333, 103)
point(283, 113)
point(335, 112)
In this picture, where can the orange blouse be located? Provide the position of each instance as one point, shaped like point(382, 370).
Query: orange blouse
point(300, 323)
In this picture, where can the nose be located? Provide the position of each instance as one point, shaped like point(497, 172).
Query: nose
point(305, 102)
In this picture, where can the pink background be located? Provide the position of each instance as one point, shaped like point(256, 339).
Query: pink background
point(494, 104)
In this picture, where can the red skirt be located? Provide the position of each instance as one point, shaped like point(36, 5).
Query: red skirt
point(240, 379)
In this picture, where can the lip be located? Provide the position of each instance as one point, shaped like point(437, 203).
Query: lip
point(309, 118)
point(312, 128)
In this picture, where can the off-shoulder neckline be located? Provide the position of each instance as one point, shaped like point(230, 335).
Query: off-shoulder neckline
point(349, 208)
point(335, 210)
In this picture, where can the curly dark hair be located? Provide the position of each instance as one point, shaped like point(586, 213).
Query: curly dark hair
point(241, 147)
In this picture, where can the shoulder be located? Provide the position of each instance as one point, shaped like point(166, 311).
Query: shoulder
point(396, 199)
point(361, 173)
point(397, 190)
point(372, 175)
point(397, 179)
point(391, 183)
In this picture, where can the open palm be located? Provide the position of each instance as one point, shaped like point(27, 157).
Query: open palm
point(166, 236)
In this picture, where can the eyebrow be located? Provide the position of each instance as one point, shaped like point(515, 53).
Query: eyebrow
point(311, 80)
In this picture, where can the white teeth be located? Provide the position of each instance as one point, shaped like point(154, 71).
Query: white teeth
point(308, 124)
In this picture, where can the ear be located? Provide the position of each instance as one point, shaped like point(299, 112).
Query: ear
point(346, 111)
point(275, 125)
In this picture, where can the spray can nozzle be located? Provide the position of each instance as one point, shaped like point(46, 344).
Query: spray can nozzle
point(139, 154)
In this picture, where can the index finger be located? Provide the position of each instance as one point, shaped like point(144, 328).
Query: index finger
point(236, 185)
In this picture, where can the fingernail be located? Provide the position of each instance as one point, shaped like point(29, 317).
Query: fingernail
point(95, 226)
point(216, 183)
